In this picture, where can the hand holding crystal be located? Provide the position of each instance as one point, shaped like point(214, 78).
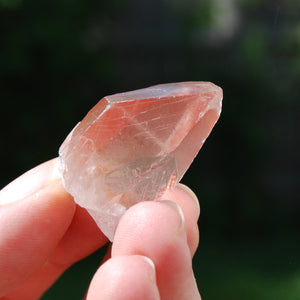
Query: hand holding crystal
point(43, 232)
point(130, 149)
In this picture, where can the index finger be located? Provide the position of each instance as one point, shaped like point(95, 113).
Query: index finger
point(42, 232)
point(35, 213)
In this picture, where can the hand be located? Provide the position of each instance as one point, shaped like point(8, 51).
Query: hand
point(43, 232)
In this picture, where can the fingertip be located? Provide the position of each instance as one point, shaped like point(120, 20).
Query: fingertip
point(192, 195)
point(179, 211)
point(128, 277)
point(188, 202)
point(154, 229)
point(149, 218)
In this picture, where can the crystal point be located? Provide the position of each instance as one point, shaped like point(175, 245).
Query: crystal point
point(133, 146)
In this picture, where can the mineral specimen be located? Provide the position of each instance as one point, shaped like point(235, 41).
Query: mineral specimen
point(133, 146)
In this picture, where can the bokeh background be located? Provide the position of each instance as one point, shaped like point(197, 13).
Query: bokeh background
point(59, 57)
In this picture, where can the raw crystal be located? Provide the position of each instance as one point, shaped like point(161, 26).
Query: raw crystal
point(133, 146)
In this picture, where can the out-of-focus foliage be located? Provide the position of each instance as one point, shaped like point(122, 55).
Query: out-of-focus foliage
point(10, 4)
point(59, 57)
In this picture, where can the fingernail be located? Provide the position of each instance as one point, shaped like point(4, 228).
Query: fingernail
point(29, 183)
point(152, 274)
point(192, 194)
point(179, 211)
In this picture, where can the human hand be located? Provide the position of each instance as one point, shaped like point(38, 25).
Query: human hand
point(43, 232)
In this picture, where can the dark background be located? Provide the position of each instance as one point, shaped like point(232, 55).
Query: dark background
point(59, 57)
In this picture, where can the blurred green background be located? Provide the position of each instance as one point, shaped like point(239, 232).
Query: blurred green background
point(59, 57)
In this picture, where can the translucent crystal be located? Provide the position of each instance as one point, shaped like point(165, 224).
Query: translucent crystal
point(133, 146)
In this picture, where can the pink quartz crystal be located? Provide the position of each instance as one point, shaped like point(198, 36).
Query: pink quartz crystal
point(133, 146)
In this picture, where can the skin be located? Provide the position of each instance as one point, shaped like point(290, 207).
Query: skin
point(43, 232)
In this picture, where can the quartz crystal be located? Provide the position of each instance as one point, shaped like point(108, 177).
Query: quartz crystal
point(133, 146)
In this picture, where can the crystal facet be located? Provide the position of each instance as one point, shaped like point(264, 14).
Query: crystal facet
point(133, 146)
